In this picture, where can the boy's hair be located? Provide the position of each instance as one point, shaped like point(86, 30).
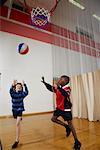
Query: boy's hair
point(66, 78)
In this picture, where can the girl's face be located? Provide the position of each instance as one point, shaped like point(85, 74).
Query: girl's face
point(18, 87)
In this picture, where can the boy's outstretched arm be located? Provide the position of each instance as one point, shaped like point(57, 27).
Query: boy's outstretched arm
point(48, 86)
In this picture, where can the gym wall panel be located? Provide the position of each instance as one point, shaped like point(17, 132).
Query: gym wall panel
point(69, 16)
point(84, 45)
point(71, 63)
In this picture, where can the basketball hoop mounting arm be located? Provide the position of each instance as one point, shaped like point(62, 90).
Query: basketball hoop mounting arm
point(54, 7)
point(29, 8)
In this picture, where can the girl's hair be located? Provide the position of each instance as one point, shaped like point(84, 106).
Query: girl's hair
point(20, 85)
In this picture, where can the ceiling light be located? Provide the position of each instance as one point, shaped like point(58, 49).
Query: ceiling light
point(97, 17)
point(77, 4)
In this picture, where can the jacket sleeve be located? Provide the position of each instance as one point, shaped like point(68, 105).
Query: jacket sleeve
point(12, 91)
point(49, 87)
point(25, 93)
point(63, 92)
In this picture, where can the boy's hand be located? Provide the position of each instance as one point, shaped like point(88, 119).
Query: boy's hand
point(55, 86)
point(14, 82)
point(43, 80)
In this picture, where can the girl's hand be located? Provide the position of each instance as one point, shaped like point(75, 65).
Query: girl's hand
point(14, 82)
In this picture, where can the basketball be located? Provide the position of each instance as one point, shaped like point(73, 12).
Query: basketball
point(23, 48)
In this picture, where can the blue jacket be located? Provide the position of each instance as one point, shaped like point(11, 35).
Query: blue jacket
point(17, 99)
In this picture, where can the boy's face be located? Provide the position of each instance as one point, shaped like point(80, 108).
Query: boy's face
point(62, 81)
point(18, 87)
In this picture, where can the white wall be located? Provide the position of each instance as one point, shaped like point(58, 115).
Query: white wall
point(30, 67)
point(69, 16)
point(72, 63)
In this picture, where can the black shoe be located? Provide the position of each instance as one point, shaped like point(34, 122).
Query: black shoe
point(77, 145)
point(68, 130)
point(15, 144)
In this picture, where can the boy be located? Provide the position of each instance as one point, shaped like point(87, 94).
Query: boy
point(18, 94)
point(63, 106)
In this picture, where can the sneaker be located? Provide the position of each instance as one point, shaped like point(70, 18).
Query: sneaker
point(15, 144)
point(68, 130)
point(77, 145)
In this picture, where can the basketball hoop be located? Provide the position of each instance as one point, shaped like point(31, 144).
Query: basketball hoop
point(40, 16)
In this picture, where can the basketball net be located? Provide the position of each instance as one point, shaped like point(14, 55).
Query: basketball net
point(40, 16)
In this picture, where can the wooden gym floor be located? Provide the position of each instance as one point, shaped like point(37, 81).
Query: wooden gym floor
point(39, 133)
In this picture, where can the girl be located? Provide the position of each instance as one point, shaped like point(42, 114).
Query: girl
point(18, 94)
